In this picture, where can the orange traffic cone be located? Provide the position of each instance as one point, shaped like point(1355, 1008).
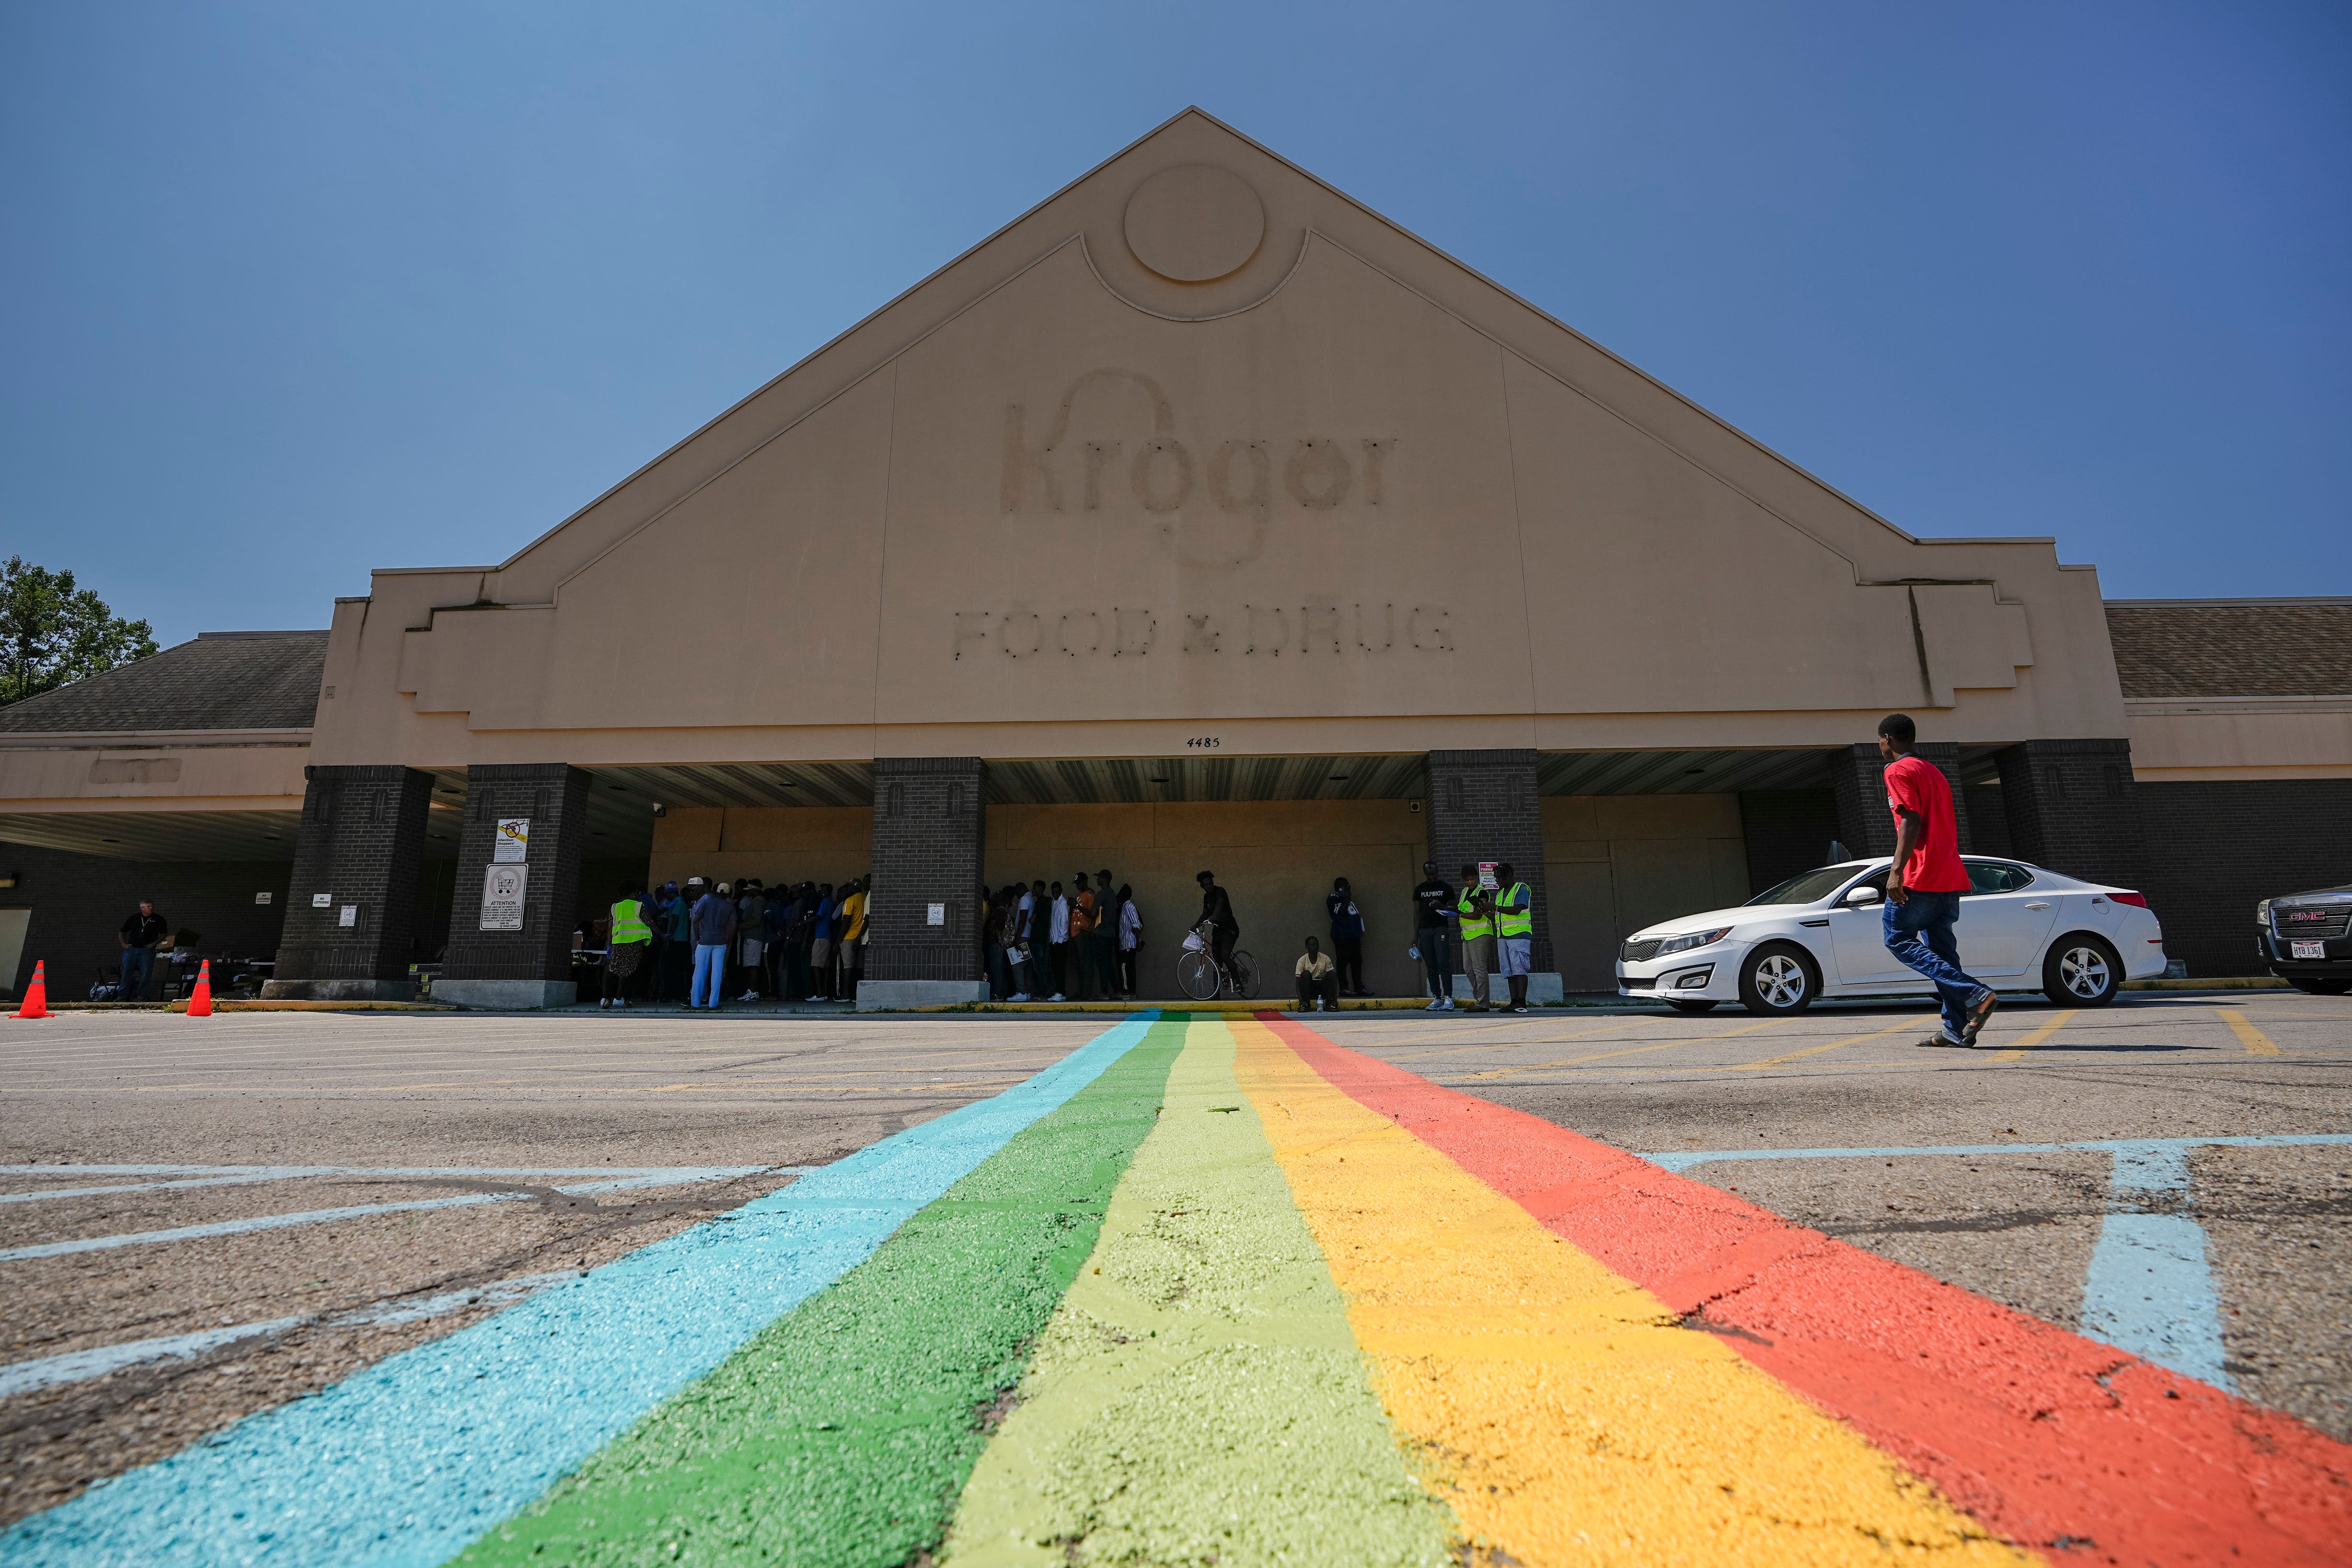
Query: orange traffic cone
point(37, 996)
point(200, 1000)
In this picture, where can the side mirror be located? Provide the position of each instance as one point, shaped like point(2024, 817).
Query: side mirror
point(1865, 894)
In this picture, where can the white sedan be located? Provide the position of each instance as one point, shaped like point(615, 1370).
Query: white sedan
point(2022, 927)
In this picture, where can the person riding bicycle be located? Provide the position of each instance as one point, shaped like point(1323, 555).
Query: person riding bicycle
point(1217, 913)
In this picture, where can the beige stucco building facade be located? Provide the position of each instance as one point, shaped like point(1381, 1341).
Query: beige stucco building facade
point(1199, 517)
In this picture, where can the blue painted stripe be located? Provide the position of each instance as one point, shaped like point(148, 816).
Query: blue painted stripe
point(408, 1461)
point(2148, 1293)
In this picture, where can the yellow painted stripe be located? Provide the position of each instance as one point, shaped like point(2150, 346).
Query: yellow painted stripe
point(1833, 1045)
point(2057, 1023)
point(2257, 1044)
point(1554, 1403)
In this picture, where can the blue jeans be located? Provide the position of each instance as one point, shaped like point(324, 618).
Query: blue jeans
point(1436, 963)
point(137, 963)
point(1919, 933)
point(709, 975)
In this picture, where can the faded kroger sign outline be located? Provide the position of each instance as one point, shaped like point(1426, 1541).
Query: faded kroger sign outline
point(1318, 474)
point(1260, 630)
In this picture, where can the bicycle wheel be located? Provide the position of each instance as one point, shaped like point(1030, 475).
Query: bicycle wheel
point(1196, 975)
point(1244, 975)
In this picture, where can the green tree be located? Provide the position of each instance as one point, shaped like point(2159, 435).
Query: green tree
point(51, 631)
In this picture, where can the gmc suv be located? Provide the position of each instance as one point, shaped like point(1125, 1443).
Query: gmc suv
point(2303, 940)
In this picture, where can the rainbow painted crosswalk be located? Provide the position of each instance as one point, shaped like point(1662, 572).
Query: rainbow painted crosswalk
point(1217, 1290)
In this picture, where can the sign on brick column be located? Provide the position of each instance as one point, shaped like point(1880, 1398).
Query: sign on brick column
point(351, 907)
point(1858, 778)
point(922, 920)
point(518, 879)
point(2072, 807)
point(1483, 806)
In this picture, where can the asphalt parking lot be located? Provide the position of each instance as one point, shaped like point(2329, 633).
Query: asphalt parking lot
point(203, 1219)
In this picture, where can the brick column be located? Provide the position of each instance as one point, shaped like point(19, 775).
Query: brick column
point(929, 824)
point(2071, 807)
point(361, 842)
point(531, 967)
point(1859, 779)
point(1483, 806)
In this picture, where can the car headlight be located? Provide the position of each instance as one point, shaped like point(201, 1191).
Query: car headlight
point(1694, 939)
point(2263, 913)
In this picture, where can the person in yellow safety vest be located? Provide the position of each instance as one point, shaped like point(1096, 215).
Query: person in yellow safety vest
point(1515, 933)
point(1476, 929)
point(628, 937)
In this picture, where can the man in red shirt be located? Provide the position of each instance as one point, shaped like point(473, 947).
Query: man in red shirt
point(1925, 884)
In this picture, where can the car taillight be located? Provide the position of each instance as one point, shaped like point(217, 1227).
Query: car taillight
point(2139, 898)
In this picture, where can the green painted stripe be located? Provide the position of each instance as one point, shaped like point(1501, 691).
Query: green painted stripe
point(842, 1433)
point(1198, 1397)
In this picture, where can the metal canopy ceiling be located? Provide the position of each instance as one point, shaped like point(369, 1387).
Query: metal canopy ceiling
point(159, 834)
point(1136, 781)
point(622, 799)
point(1680, 772)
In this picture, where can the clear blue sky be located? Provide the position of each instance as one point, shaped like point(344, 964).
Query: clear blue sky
point(289, 291)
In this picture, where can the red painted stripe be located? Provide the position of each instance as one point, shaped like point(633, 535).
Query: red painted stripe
point(2051, 1440)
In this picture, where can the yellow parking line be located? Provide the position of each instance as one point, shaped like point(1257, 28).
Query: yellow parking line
point(1631, 1051)
point(2257, 1044)
point(2036, 1038)
point(1833, 1045)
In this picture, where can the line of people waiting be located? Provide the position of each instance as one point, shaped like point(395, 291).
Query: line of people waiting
point(1047, 945)
point(698, 943)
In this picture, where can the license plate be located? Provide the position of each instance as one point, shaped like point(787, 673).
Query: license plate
point(2309, 949)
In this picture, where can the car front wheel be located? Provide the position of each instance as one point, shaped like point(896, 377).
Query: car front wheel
point(1779, 979)
point(2319, 987)
point(2081, 970)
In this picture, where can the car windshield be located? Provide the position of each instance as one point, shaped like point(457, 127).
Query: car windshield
point(1809, 889)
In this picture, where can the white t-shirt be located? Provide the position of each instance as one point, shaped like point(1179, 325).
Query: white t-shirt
point(1021, 930)
point(1060, 929)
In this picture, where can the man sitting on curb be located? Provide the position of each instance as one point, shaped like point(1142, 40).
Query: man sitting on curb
point(1925, 884)
point(1317, 978)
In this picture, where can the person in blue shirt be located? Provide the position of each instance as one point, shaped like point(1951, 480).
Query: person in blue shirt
point(674, 940)
point(821, 947)
point(1347, 937)
point(714, 934)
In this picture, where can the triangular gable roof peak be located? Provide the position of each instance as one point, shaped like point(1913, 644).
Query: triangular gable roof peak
point(532, 573)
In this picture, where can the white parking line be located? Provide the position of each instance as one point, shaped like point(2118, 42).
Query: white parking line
point(80, 1366)
point(675, 1177)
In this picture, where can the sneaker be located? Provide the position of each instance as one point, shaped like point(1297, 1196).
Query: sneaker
point(1448, 1007)
point(1436, 1005)
point(1018, 996)
point(1977, 1016)
point(605, 1006)
point(1514, 1007)
point(1057, 996)
point(1940, 1040)
point(625, 1004)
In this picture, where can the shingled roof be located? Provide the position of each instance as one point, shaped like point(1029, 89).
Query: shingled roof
point(2232, 648)
point(221, 680)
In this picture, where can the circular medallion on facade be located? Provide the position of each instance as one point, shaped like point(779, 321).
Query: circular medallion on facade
point(1194, 223)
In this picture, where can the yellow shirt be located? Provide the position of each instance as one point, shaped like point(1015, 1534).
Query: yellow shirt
point(1314, 966)
point(856, 917)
